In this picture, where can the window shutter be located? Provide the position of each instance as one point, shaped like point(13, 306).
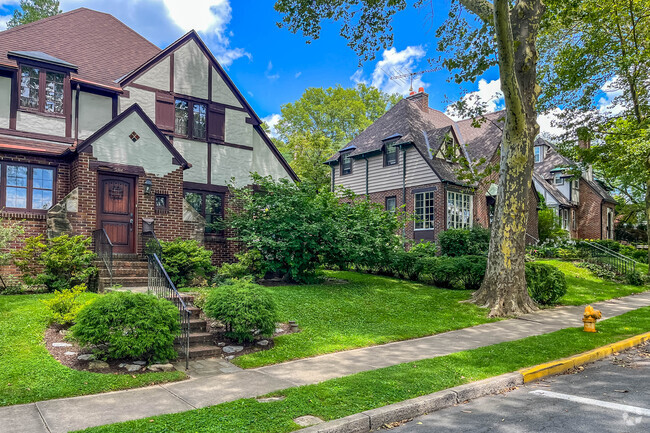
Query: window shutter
point(165, 112)
point(216, 124)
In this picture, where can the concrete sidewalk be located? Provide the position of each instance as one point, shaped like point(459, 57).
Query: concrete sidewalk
point(63, 415)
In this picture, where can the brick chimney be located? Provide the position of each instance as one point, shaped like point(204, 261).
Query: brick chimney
point(584, 143)
point(421, 98)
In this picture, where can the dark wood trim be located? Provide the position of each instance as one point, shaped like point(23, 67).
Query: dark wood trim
point(238, 146)
point(76, 114)
point(171, 72)
point(136, 108)
point(209, 163)
point(209, 82)
point(113, 167)
point(29, 187)
point(14, 101)
point(97, 86)
point(114, 102)
point(36, 135)
point(67, 105)
point(205, 188)
point(42, 65)
point(189, 98)
point(42, 113)
point(251, 121)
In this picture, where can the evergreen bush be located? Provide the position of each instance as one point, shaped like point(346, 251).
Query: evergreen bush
point(546, 283)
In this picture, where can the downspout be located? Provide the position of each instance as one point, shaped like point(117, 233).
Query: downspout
point(76, 116)
point(601, 217)
point(333, 174)
point(403, 185)
point(367, 195)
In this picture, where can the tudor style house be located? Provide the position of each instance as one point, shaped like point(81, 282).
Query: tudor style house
point(102, 130)
point(409, 157)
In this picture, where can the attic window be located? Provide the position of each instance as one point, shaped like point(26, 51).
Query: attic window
point(539, 154)
point(346, 164)
point(390, 154)
point(41, 90)
point(134, 136)
point(558, 179)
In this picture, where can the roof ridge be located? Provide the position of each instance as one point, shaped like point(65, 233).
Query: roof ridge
point(46, 19)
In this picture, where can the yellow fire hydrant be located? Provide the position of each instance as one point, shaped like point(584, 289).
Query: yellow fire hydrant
point(590, 318)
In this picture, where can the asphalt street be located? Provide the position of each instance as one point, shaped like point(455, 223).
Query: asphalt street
point(611, 395)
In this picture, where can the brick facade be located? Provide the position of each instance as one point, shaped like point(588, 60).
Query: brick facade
point(592, 214)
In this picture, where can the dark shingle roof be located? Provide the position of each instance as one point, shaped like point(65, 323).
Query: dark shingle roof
point(552, 190)
point(482, 141)
point(102, 47)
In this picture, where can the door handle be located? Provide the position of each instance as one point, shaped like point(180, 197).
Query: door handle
point(131, 224)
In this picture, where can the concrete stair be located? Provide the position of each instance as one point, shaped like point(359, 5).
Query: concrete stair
point(129, 270)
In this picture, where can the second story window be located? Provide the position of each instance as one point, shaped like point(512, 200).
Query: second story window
point(41, 90)
point(538, 154)
point(190, 119)
point(346, 164)
point(391, 154)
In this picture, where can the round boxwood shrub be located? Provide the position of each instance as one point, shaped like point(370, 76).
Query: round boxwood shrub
point(243, 307)
point(129, 325)
point(546, 283)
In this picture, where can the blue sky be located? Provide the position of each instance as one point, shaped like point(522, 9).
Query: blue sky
point(272, 66)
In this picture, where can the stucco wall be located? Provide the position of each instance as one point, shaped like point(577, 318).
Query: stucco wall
point(94, 112)
point(157, 77)
point(264, 161)
point(148, 152)
point(237, 130)
point(31, 122)
point(196, 153)
point(191, 71)
point(228, 162)
point(221, 92)
point(550, 201)
point(5, 101)
point(146, 100)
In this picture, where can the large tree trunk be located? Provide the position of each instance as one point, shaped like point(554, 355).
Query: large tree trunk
point(647, 215)
point(504, 288)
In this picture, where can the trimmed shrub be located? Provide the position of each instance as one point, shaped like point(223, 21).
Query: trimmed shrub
point(463, 242)
point(65, 305)
point(546, 283)
point(185, 261)
point(243, 307)
point(634, 278)
point(249, 264)
point(129, 325)
point(58, 263)
point(465, 272)
point(470, 271)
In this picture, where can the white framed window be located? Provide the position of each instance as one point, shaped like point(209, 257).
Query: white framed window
point(575, 191)
point(574, 224)
point(459, 210)
point(539, 154)
point(558, 179)
point(424, 208)
point(391, 204)
point(564, 218)
point(610, 223)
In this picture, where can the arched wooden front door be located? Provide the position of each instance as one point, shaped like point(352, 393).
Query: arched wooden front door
point(116, 211)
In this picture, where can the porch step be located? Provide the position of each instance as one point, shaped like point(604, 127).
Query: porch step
point(123, 271)
point(195, 312)
point(204, 351)
point(124, 281)
point(197, 338)
point(198, 325)
point(188, 299)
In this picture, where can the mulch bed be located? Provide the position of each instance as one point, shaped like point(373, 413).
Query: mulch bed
point(217, 330)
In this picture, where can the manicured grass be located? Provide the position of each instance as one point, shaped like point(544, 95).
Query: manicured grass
point(363, 391)
point(366, 311)
point(29, 373)
point(584, 287)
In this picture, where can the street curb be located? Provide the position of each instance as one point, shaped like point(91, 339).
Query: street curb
point(562, 365)
point(374, 419)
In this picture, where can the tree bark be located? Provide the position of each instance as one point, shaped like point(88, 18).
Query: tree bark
point(647, 215)
point(504, 288)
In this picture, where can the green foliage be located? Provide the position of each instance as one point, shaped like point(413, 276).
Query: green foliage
point(58, 263)
point(129, 325)
point(65, 305)
point(634, 278)
point(297, 229)
point(462, 242)
point(185, 260)
point(546, 283)
point(599, 270)
point(548, 226)
point(470, 271)
point(243, 307)
point(9, 231)
point(33, 10)
point(248, 264)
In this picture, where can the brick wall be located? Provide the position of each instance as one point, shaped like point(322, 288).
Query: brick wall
point(590, 211)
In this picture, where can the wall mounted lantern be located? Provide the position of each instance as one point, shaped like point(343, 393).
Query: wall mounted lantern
point(147, 186)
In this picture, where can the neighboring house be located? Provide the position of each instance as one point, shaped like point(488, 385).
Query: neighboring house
point(585, 209)
point(101, 129)
point(408, 157)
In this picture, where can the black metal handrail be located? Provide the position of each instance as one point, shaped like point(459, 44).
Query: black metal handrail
point(104, 250)
point(611, 259)
point(162, 286)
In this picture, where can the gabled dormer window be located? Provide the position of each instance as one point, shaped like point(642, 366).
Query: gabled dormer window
point(539, 154)
point(448, 149)
point(41, 90)
point(558, 179)
point(390, 154)
point(346, 164)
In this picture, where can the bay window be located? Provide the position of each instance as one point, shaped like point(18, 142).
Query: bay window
point(459, 210)
point(26, 187)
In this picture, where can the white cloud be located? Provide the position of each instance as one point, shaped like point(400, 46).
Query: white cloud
point(272, 120)
point(157, 19)
point(547, 124)
point(268, 73)
point(394, 62)
point(298, 74)
point(488, 96)
point(3, 21)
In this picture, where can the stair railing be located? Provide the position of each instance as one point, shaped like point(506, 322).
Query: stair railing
point(611, 259)
point(162, 286)
point(104, 250)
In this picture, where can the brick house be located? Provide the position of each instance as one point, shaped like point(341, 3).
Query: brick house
point(584, 207)
point(101, 129)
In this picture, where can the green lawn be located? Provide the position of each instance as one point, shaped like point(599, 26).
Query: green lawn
point(337, 398)
point(585, 287)
point(365, 311)
point(29, 373)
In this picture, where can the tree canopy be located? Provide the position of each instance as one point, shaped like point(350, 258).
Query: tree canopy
point(33, 10)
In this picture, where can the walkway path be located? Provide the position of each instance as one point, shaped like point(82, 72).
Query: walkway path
point(62, 415)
